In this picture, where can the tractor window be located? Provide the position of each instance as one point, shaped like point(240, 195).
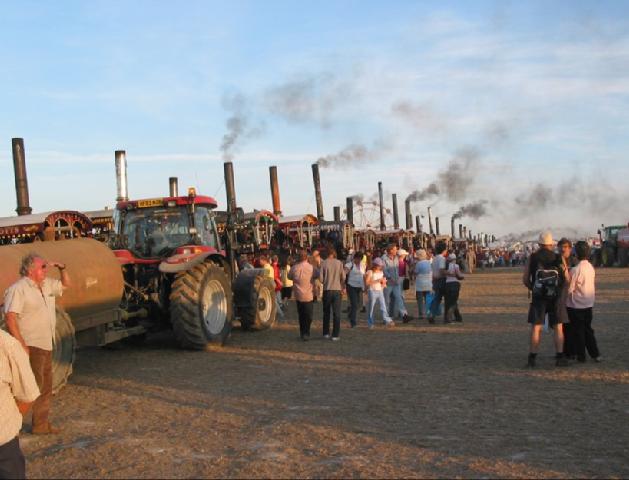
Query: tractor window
point(156, 232)
point(206, 227)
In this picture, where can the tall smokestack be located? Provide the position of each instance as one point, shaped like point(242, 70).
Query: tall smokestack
point(452, 226)
point(317, 186)
point(407, 215)
point(230, 190)
point(396, 218)
point(381, 198)
point(461, 230)
point(464, 232)
point(122, 187)
point(173, 187)
point(437, 225)
point(275, 190)
point(21, 182)
point(350, 209)
point(337, 213)
point(470, 235)
point(418, 224)
point(430, 221)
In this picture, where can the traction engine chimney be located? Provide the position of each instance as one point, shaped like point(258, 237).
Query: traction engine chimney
point(21, 182)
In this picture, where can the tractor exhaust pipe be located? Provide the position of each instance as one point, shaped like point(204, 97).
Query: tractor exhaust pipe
point(396, 218)
point(430, 221)
point(173, 187)
point(230, 190)
point(21, 182)
point(316, 178)
point(350, 209)
point(275, 190)
point(381, 200)
point(407, 214)
point(122, 186)
point(437, 225)
point(337, 214)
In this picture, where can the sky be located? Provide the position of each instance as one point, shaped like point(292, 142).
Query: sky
point(517, 110)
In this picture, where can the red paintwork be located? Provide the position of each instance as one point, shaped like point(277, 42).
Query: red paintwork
point(125, 257)
point(197, 200)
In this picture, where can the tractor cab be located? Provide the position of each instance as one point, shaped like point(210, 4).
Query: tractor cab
point(160, 227)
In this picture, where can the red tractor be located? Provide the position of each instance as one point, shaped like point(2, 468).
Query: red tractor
point(176, 268)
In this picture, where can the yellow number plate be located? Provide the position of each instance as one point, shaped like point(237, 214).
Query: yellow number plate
point(155, 202)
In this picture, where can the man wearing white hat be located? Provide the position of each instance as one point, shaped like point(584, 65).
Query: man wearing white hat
point(542, 277)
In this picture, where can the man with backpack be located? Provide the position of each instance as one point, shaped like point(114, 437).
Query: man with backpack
point(542, 277)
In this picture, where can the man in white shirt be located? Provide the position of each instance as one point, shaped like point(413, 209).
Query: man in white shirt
point(355, 272)
point(439, 275)
point(18, 390)
point(581, 295)
point(29, 307)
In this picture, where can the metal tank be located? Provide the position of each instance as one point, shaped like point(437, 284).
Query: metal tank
point(95, 273)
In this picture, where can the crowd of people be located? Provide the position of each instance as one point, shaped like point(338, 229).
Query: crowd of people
point(561, 285)
point(373, 284)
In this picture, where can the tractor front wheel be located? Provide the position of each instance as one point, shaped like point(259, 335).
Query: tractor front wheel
point(201, 306)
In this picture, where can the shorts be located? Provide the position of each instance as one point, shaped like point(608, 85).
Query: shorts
point(286, 293)
point(539, 308)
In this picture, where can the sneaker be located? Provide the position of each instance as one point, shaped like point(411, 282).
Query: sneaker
point(326, 336)
point(336, 339)
point(431, 320)
point(390, 324)
point(406, 318)
point(598, 359)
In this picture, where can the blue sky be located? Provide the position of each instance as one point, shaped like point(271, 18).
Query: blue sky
point(538, 90)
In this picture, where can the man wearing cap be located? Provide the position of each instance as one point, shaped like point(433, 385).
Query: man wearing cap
point(29, 308)
point(542, 276)
point(393, 290)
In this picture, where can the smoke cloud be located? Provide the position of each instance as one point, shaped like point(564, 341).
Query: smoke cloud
point(421, 195)
point(353, 155)
point(459, 174)
point(419, 116)
point(238, 125)
point(474, 210)
point(312, 99)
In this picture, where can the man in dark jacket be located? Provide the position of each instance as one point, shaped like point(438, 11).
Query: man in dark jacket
point(542, 276)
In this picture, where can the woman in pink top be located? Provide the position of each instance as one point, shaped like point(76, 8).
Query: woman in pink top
point(581, 294)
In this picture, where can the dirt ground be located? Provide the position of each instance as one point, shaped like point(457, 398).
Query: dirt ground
point(416, 400)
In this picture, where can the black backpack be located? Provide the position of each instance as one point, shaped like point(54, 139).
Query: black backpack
point(546, 284)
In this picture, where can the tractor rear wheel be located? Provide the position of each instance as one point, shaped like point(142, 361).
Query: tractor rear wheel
point(201, 306)
point(608, 257)
point(63, 351)
point(260, 313)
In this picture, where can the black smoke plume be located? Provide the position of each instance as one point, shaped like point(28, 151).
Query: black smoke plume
point(474, 210)
point(238, 125)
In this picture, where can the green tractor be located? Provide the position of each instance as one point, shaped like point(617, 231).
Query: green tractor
point(614, 247)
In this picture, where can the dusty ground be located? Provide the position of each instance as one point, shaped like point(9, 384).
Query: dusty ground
point(414, 401)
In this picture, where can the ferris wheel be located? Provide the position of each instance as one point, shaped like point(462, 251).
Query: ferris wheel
point(367, 214)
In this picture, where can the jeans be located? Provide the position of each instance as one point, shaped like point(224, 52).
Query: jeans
point(304, 311)
point(438, 289)
point(452, 302)
point(41, 364)
point(354, 294)
point(332, 304)
point(395, 300)
point(377, 296)
point(582, 333)
point(421, 303)
point(278, 303)
point(12, 463)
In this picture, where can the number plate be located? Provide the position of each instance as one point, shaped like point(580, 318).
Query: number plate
point(154, 202)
